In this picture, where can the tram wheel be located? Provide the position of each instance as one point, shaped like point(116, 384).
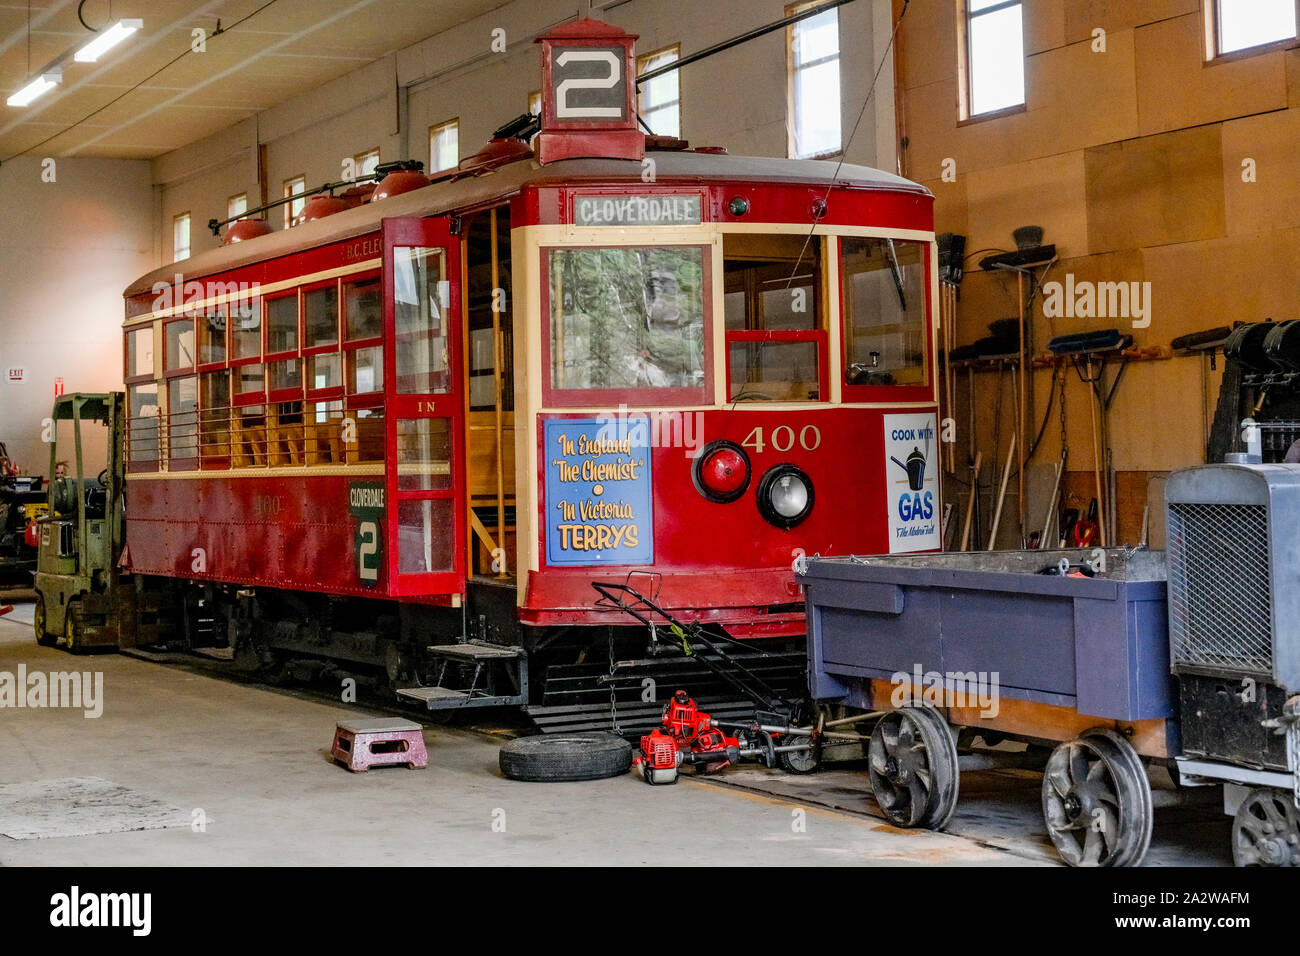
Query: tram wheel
point(1097, 801)
point(913, 768)
point(39, 624)
point(1265, 831)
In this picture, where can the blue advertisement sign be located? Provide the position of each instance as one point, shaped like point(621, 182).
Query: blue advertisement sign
point(599, 508)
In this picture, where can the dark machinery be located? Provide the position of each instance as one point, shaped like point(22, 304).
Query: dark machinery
point(1234, 635)
point(688, 735)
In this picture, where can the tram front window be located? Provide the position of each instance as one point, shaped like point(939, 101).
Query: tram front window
point(627, 318)
point(884, 311)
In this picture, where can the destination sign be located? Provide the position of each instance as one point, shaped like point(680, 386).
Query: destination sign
point(657, 210)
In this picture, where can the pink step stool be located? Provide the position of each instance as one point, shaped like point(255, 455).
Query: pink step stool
point(366, 742)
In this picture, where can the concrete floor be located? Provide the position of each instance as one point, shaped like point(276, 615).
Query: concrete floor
point(255, 760)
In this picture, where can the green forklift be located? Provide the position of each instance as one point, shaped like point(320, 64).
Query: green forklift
point(81, 601)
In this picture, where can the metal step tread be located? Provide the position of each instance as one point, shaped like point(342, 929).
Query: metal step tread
point(473, 651)
point(427, 694)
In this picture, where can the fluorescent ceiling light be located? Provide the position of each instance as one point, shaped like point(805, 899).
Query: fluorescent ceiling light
point(105, 41)
point(42, 84)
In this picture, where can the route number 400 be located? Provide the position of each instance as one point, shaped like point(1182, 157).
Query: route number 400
point(783, 437)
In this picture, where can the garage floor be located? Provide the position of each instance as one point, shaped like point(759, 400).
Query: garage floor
point(187, 768)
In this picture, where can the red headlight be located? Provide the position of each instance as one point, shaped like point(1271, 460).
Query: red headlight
point(721, 471)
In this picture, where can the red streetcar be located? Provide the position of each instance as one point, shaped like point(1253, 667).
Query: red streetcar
point(434, 412)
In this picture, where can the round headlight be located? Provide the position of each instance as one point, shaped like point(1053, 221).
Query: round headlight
point(785, 495)
point(721, 472)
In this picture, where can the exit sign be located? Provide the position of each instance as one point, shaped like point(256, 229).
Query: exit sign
point(15, 374)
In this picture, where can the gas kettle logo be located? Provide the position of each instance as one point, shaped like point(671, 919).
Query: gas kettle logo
point(915, 468)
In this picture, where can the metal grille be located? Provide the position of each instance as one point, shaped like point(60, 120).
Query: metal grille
point(1220, 610)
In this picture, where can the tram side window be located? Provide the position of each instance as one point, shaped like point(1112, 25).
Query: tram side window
point(884, 311)
point(420, 320)
point(774, 317)
point(183, 422)
point(139, 351)
point(627, 318)
point(142, 438)
point(214, 423)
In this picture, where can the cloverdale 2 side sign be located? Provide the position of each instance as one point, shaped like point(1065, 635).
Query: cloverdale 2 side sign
point(912, 482)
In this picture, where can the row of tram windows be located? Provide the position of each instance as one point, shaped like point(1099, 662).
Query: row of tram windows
point(292, 378)
point(633, 320)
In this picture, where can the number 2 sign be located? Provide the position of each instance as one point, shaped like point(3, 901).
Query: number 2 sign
point(588, 93)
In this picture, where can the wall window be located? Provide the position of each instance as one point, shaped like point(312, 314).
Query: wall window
point(814, 84)
point(1242, 24)
point(181, 237)
point(444, 146)
point(659, 101)
point(236, 205)
point(366, 163)
point(628, 318)
point(994, 71)
point(294, 187)
point(535, 102)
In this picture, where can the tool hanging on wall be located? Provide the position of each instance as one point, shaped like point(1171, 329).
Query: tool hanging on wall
point(1030, 253)
point(970, 500)
point(952, 251)
point(1089, 347)
point(1002, 493)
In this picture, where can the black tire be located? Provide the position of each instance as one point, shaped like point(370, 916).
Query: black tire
point(43, 637)
point(554, 758)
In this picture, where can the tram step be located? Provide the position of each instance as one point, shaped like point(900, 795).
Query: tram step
point(427, 694)
point(476, 651)
point(446, 698)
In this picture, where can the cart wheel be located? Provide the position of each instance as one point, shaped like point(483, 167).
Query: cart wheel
point(1265, 831)
point(799, 761)
point(43, 637)
point(913, 768)
point(1097, 801)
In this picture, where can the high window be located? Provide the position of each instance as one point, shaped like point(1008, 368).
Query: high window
point(293, 187)
point(444, 146)
point(1242, 24)
point(659, 102)
point(994, 54)
point(814, 84)
point(236, 205)
point(365, 163)
point(181, 237)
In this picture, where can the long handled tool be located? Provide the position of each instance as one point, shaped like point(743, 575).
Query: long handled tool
point(970, 502)
point(1093, 399)
point(1051, 503)
point(1002, 493)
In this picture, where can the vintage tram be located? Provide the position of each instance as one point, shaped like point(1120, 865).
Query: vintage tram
point(414, 429)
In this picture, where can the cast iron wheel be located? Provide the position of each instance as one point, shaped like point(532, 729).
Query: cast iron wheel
point(913, 768)
point(1265, 830)
point(554, 758)
point(43, 637)
point(1097, 801)
point(798, 761)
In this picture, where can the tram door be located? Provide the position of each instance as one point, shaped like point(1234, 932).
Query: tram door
point(425, 418)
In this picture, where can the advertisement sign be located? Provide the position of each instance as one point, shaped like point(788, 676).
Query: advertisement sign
point(599, 508)
point(912, 482)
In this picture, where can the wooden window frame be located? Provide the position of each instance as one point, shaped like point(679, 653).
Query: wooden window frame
point(641, 62)
point(791, 70)
point(966, 114)
point(1210, 14)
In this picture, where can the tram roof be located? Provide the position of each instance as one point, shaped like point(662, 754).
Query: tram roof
point(473, 190)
